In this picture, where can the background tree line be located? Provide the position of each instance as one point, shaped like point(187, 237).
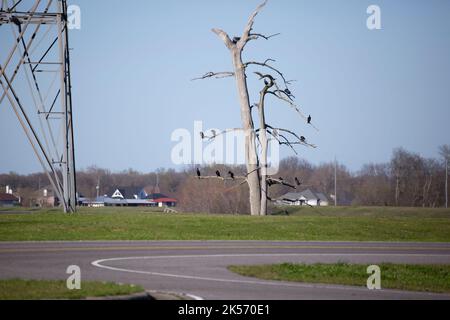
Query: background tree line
point(408, 179)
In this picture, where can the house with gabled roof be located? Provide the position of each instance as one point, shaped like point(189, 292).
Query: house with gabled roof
point(125, 193)
point(306, 197)
point(8, 200)
point(132, 197)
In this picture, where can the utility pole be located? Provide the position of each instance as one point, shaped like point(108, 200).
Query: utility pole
point(98, 186)
point(335, 182)
point(446, 183)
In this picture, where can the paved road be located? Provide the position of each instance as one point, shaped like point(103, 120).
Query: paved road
point(199, 267)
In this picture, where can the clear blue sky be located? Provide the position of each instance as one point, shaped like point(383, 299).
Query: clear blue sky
point(368, 91)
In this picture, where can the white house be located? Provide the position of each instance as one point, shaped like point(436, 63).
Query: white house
point(306, 197)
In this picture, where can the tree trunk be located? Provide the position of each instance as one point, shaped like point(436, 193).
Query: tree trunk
point(251, 157)
point(251, 154)
point(264, 145)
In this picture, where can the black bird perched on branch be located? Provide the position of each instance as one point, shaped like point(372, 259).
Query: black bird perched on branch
point(198, 173)
point(218, 173)
point(202, 135)
point(289, 93)
point(231, 174)
point(266, 82)
point(309, 119)
point(17, 22)
point(236, 40)
point(297, 181)
point(302, 139)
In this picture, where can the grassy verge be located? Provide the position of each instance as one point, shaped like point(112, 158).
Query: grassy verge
point(17, 289)
point(368, 224)
point(431, 278)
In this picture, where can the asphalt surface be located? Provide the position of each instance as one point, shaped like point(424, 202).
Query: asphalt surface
point(198, 268)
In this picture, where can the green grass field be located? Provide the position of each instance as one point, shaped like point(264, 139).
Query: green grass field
point(17, 289)
point(326, 224)
point(431, 278)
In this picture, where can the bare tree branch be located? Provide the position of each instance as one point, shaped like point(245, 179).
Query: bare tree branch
point(255, 36)
point(222, 178)
point(312, 125)
point(279, 141)
point(292, 104)
point(264, 64)
point(304, 143)
point(217, 75)
point(248, 173)
point(289, 96)
point(282, 182)
point(236, 186)
point(225, 38)
point(215, 135)
point(284, 130)
point(248, 29)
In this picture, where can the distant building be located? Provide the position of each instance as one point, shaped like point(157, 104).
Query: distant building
point(125, 193)
point(131, 197)
point(162, 200)
point(8, 199)
point(46, 198)
point(306, 197)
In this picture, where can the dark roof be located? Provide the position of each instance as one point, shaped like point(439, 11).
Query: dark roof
point(8, 197)
point(127, 192)
point(156, 196)
point(322, 197)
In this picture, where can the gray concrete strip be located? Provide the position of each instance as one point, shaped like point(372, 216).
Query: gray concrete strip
point(199, 268)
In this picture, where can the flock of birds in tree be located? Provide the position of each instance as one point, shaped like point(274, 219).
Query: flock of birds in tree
point(270, 181)
point(214, 133)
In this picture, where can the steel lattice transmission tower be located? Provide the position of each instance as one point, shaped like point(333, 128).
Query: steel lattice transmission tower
point(35, 82)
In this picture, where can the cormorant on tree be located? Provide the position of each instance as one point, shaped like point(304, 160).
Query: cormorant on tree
point(218, 173)
point(231, 174)
point(309, 119)
point(266, 82)
point(198, 173)
point(288, 92)
point(297, 181)
point(202, 135)
point(302, 139)
point(236, 40)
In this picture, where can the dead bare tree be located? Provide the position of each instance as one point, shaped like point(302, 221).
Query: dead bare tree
point(256, 162)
